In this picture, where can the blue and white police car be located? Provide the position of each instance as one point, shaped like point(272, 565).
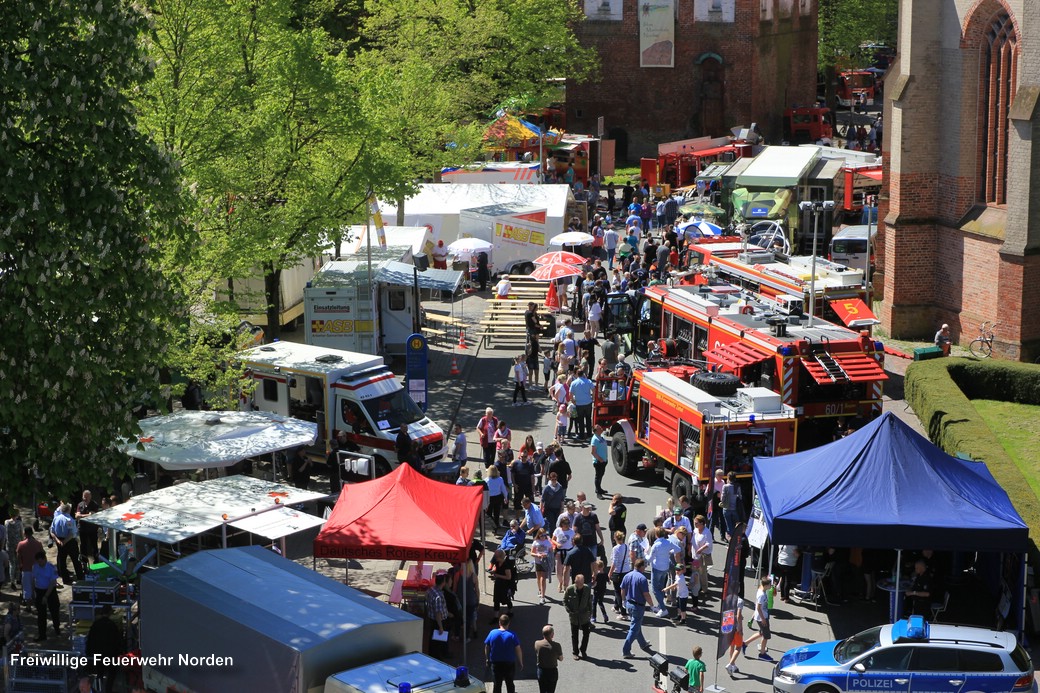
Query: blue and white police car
point(909, 656)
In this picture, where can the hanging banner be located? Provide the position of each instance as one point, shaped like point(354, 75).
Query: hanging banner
point(730, 607)
point(604, 10)
point(657, 33)
point(377, 220)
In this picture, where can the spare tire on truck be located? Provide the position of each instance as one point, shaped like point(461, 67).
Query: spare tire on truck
point(718, 384)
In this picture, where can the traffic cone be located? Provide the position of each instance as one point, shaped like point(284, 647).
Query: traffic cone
point(462, 341)
point(454, 366)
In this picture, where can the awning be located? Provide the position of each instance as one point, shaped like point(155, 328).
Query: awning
point(827, 368)
point(191, 439)
point(873, 174)
point(278, 523)
point(403, 274)
point(854, 312)
point(734, 357)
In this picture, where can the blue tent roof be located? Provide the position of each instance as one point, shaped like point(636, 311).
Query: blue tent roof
point(885, 486)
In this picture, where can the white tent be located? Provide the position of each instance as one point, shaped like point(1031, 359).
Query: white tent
point(177, 513)
point(211, 439)
point(439, 204)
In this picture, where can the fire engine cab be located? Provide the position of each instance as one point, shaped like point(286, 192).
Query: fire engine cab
point(684, 422)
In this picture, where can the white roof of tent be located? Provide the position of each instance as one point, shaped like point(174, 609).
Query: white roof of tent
point(452, 198)
point(191, 439)
point(279, 523)
point(176, 513)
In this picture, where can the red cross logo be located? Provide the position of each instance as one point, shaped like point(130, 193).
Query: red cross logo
point(278, 494)
point(132, 516)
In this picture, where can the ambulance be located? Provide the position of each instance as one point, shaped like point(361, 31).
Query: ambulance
point(340, 391)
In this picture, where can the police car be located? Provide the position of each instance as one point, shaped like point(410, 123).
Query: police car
point(909, 656)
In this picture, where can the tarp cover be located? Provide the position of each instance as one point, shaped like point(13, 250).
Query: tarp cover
point(402, 274)
point(191, 439)
point(402, 515)
point(284, 628)
point(886, 486)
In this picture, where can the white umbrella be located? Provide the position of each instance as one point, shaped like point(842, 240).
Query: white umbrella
point(700, 228)
point(466, 247)
point(572, 238)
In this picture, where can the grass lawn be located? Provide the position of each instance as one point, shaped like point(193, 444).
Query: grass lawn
point(1017, 426)
point(622, 176)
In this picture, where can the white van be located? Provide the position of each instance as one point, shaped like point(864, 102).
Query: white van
point(849, 247)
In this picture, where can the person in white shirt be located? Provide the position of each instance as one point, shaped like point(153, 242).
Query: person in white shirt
point(503, 288)
point(594, 315)
point(762, 619)
point(520, 375)
point(458, 452)
point(702, 545)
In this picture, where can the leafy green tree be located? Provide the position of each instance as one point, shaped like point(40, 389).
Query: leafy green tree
point(446, 65)
point(847, 28)
point(264, 109)
point(87, 205)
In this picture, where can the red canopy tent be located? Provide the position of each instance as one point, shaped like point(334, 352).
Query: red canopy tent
point(401, 516)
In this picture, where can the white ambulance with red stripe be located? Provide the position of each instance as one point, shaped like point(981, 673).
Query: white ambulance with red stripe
point(340, 391)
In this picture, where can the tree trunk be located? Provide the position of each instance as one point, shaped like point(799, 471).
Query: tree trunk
point(273, 296)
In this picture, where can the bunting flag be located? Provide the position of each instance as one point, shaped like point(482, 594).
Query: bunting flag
point(731, 603)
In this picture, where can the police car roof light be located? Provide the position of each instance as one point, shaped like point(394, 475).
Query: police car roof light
point(913, 629)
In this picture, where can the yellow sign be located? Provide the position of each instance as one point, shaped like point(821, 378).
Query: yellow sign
point(340, 326)
point(417, 344)
point(519, 234)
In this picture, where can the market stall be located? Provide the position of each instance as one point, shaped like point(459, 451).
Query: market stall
point(887, 487)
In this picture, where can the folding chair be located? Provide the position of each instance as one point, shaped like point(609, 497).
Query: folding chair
point(940, 607)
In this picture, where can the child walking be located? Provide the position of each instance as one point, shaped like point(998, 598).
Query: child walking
point(600, 580)
point(562, 419)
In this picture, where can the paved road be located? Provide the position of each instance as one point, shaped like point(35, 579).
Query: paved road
point(605, 669)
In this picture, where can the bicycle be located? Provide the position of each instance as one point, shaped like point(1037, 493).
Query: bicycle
point(982, 346)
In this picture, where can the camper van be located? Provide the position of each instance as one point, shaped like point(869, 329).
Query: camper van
point(340, 391)
point(849, 247)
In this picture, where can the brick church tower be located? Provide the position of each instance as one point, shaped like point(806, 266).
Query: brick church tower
point(678, 69)
point(960, 241)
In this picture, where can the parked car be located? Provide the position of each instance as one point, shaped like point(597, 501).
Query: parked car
point(909, 656)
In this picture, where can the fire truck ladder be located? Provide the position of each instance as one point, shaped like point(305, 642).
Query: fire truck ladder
point(833, 369)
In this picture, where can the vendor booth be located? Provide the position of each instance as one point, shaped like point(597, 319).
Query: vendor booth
point(211, 514)
point(403, 516)
point(887, 487)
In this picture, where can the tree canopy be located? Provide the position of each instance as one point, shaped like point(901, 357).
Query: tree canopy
point(87, 203)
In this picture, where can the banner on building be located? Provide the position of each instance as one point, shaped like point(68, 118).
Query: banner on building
point(604, 10)
point(730, 608)
point(657, 33)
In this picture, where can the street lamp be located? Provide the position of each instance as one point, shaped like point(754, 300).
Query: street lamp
point(817, 208)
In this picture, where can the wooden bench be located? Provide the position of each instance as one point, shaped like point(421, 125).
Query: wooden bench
point(503, 330)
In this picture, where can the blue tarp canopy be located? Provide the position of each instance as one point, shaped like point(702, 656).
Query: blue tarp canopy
point(885, 486)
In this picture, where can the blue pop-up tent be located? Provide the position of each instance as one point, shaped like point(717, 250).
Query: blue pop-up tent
point(886, 486)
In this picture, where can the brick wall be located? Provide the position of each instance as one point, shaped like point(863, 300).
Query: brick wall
point(767, 65)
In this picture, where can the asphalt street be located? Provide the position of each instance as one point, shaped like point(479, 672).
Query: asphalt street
point(605, 669)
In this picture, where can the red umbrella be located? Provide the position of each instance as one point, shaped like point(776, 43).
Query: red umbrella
point(552, 299)
point(557, 270)
point(561, 256)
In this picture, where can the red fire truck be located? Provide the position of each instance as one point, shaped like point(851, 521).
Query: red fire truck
point(770, 274)
point(861, 181)
point(683, 422)
point(856, 88)
point(825, 371)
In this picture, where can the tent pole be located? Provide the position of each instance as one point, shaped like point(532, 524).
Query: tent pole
point(897, 609)
point(466, 566)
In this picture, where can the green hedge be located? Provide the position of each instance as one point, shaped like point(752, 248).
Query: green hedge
point(940, 392)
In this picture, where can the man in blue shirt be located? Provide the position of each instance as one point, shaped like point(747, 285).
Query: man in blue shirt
point(533, 519)
point(503, 654)
point(581, 394)
point(63, 532)
point(660, 558)
point(599, 457)
point(635, 591)
point(45, 584)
